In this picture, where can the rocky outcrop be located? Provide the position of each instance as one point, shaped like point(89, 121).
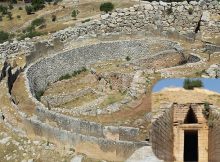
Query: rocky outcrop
point(212, 72)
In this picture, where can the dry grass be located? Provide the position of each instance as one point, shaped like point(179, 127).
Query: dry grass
point(111, 66)
point(181, 95)
point(111, 99)
point(79, 101)
point(87, 9)
point(70, 85)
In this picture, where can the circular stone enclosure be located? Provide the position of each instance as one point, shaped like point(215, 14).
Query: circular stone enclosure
point(50, 69)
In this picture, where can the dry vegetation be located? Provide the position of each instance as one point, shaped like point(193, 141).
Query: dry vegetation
point(62, 11)
point(180, 95)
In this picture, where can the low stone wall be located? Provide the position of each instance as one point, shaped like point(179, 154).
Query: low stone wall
point(162, 134)
point(85, 127)
point(57, 100)
point(214, 135)
point(163, 59)
point(212, 48)
point(118, 150)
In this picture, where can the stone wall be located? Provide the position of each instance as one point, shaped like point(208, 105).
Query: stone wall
point(56, 100)
point(99, 148)
point(162, 134)
point(214, 135)
point(161, 16)
point(157, 16)
point(85, 127)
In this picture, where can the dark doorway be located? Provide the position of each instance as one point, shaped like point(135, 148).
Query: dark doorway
point(191, 146)
point(190, 117)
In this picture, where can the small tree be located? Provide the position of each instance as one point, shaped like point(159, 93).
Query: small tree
point(106, 7)
point(10, 6)
point(186, 84)
point(29, 9)
point(37, 4)
point(75, 13)
point(9, 16)
point(3, 36)
point(38, 22)
point(13, 1)
point(191, 84)
point(53, 17)
point(3, 9)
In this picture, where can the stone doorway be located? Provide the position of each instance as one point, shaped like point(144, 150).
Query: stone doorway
point(191, 146)
point(190, 131)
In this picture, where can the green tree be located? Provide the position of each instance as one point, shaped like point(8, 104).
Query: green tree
point(3, 36)
point(191, 84)
point(37, 4)
point(13, 1)
point(75, 13)
point(9, 16)
point(186, 84)
point(106, 7)
point(29, 9)
point(3, 9)
point(38, 22)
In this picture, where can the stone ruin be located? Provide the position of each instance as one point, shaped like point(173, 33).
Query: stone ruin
point(185, 132)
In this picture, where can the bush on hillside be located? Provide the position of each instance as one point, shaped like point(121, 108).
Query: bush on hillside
point(29, 9)
point(3, 10)
point(13, 1)
point(38, 22)
point(106, 7)
point(4, 36)
point(75, 13)
point(38, 4)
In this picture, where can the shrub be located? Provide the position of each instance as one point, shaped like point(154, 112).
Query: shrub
point(4, 36)
point(38, 22)
point(190, 11)
point(128, 58)
point(64, 77)
point(56, 2)
point(74, 13)
point(3, 9)
point(206, 109)
point(29, 9)
point(39, 94)
point(106, 7)
point(86, 20)
point(53, 17)
point(13, 1)
point(84, 69)
point(169, 11)
point(30, 32)
point(191, 84)
point(20, 8)
point(37, 4)
point(10, 6)
point(9, 16)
